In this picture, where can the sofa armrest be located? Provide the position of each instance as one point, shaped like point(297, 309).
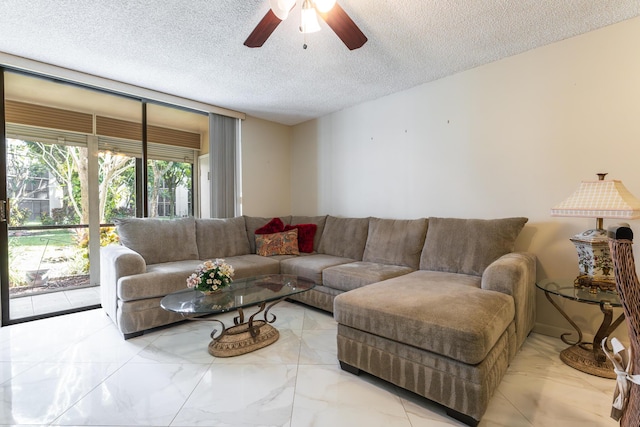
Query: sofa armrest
point(515, 274)
point(116, 261)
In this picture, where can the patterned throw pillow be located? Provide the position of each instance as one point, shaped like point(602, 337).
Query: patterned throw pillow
point(285, 243)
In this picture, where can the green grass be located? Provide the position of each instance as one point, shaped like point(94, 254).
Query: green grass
point(40, 238)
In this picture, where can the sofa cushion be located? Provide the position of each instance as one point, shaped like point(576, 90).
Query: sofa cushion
point(159, 240)
point(163, 278)
point(395, 242)
point(346, 277)
point(252, 265)
point(444, 313)
point(253, 223)
point(159, 280)
point(344, 237)
point(311, 266)
point(319, 221)
point(285, 243)
point(306, 234)
point(468, 246)
point(219, 238)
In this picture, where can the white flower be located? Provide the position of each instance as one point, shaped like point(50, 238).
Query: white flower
point(211, 275)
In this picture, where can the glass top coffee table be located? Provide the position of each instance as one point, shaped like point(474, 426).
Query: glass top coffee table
point(246, 335)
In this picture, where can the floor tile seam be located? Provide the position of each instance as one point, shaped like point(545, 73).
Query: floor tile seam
point(574, 382)
point(306, 327)
point(80, 398)
point(188, 397)
point(403, 402)
point(335, 364)
point(106, 378)
point(33, 365)
point(609, 393)
point(66, 296)
point(568, 374)
point(46, 358)
point(33, 309)
point(83, 342)
point(297, 367)
point(585, 383)
point(513, 405)
point(295, 391)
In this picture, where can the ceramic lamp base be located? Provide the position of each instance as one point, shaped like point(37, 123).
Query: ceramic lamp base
point(594, 260)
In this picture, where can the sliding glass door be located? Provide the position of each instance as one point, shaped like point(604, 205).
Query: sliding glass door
point(74, 159)
point(60, 187)
point(47, 228)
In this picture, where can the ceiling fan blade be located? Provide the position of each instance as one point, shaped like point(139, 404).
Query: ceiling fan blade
point(344, 27)
point(263, 30)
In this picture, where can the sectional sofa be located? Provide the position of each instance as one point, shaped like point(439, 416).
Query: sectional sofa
point(438, 306)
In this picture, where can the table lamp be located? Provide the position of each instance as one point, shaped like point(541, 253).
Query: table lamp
point(597, 199)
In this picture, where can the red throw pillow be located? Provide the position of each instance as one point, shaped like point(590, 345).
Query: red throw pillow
point(306, 233)
point(274, 226)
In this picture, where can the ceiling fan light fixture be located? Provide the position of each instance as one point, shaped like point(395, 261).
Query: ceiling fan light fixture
point(278, 7)
point(286, 4)
point(309, 18)
point(324, 6)
point(336, 19)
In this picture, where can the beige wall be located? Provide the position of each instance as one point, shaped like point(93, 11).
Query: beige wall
point(266, 168)
point(512, 138)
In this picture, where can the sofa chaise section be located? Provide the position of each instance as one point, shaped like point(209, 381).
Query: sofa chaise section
point(449, 330)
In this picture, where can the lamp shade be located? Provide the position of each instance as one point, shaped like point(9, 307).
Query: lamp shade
point(281, 8)
point(309, 19)
point(324, 6)
point(600, 199)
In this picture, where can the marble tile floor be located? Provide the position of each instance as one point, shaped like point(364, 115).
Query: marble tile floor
point(76, 370)
point(36, 304)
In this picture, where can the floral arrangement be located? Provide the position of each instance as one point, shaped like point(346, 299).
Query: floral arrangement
point(211, 276)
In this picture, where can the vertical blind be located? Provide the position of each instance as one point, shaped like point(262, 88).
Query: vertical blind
point(223, 139)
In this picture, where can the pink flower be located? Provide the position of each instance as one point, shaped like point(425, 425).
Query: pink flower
point(211, 275)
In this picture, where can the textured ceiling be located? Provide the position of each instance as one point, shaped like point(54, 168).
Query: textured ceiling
point(194, 48)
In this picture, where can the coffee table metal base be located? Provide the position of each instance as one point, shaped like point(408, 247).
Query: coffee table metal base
point(242, 339)
point(584, 359)
point(248, 333)
point(245, 336)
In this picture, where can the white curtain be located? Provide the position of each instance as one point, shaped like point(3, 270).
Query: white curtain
point(223, 140)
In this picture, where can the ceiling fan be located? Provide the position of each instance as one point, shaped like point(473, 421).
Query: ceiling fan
point(329, 10)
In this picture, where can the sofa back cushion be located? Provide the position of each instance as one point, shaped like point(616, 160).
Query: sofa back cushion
point(395, 242)
point(468, 246)
point(344, 237)
point(252, 223)
point(220, 238)
point(159, 240)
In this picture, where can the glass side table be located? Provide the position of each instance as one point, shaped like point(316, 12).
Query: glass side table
point(585, 356)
